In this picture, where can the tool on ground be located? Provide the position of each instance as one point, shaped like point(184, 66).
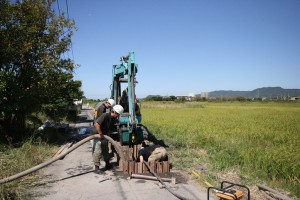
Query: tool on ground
point(105, 179)
point(204, 181)
point(139, 176)
point(229, 192)
point(270, 193)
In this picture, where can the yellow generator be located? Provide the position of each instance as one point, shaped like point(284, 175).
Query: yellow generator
point(229, 192)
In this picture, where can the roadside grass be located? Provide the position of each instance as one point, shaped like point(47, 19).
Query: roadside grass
point(15, 160)
point(257, 140)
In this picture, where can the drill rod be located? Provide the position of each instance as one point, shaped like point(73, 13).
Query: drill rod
point(138, 176)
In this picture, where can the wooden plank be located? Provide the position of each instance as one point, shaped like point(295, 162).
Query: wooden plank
point(138, 147)
point(166, 168)
point(131, 167)
point(136, 167)
point(61, 149)
point(125, 167)
point(130, 152)
point(121, 164)
point(159, 167)
point(140, 167)
point(145, 169)
point(152, 166)
point(125, 151)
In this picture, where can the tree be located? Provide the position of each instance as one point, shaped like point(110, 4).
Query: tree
point(34, 76)
point(240, 98)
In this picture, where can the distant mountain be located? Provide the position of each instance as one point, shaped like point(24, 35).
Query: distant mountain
point(269, 92)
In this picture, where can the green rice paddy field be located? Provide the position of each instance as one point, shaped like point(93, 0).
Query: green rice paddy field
point(258, 141)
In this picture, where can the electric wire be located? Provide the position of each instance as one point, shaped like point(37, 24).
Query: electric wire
point(67, 9)
point(70, 39)
point(58, 7)
point(63, 34)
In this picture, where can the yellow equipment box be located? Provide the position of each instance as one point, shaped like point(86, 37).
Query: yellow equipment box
point(230, 194)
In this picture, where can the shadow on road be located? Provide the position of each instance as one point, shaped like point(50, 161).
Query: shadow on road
point(55, 181)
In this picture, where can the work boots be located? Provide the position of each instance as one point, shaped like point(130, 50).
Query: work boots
point(97, 170)
point(108, 166)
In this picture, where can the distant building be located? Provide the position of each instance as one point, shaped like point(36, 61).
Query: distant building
point(295, 98)
point(191, 95)
point(182, 97)
point(204, 94)
point(187, 97)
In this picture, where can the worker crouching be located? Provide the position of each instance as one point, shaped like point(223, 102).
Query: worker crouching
point(103, 127)
point(152, 153)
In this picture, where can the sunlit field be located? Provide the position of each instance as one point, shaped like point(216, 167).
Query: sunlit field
point(258, 139)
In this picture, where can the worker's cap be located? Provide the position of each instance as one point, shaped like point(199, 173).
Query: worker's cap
point(111, 102)
point(118, 109)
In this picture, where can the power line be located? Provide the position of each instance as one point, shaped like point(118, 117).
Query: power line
point(67, 9)
point(71, 39)
point(58, 7)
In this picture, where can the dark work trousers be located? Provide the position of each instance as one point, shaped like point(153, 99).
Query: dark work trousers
point(100, 149)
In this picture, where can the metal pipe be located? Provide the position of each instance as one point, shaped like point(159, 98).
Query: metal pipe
point(139, 176)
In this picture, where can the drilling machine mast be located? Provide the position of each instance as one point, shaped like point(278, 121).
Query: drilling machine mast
point(130, 130)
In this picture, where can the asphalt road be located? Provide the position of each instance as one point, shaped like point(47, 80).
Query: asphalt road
point(73, 178)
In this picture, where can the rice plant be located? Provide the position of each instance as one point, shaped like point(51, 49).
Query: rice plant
point(261, 139)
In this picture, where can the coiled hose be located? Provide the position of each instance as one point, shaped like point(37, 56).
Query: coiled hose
point(52, 160)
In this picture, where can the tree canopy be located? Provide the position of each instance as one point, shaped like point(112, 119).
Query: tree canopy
point(35, 76)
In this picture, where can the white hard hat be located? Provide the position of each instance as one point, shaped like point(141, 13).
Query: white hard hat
point(111, 102)
point(118, 108)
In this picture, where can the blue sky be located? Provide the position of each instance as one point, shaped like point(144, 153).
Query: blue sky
point(187, 46)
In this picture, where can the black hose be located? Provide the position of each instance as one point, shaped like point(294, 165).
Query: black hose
point(158, 178)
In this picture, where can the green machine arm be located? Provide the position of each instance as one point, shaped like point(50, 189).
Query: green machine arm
point(128, 68)
point(130, 130)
